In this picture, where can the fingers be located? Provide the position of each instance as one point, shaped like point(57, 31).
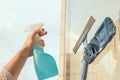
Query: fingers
point(42, 42)
point(40, 32)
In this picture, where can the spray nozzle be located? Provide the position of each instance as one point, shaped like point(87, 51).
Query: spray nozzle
point(33, 27)
point(38, 42)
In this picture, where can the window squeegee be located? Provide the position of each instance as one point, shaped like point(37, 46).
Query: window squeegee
point(102, 37)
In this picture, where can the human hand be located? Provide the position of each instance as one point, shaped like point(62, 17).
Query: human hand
point(29, 42)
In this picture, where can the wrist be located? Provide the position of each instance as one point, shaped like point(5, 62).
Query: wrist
point(24, 53)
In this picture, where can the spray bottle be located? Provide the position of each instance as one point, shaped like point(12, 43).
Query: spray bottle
point(44, 63)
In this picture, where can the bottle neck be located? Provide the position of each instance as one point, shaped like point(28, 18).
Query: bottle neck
point(39, 49)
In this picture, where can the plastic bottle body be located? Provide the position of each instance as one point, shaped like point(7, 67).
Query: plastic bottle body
point(45, 65)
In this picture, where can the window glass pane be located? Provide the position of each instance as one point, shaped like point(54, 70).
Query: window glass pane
point(106, 65)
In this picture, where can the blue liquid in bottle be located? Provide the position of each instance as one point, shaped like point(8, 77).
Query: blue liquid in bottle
point(45, 65)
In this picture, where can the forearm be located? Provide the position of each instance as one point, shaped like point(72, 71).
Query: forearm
point(15, 65)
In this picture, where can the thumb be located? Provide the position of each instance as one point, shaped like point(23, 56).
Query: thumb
point(34, 33)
